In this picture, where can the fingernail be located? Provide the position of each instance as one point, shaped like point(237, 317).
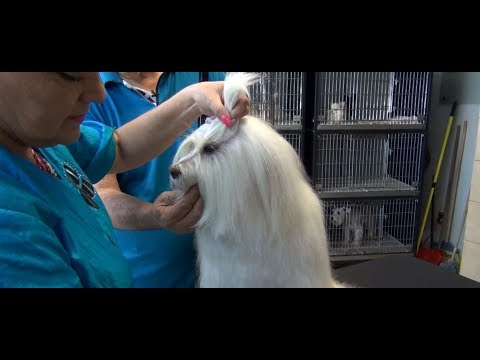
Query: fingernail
point(226, 120)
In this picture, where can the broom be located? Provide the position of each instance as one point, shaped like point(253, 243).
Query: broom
point(451, 264)
point(437, 173)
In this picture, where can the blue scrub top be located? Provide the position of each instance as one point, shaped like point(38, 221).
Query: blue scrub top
point(56, 232)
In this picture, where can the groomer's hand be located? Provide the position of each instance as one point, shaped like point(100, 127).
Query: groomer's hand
point(179, 214)
point(209, 100)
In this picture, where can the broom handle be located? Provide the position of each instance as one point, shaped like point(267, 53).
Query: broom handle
point(464, 220)
point(437, 172)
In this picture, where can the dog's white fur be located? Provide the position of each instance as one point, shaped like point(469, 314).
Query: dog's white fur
point(262, 224)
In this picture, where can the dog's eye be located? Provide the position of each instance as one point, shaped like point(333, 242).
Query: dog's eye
point(209, 149)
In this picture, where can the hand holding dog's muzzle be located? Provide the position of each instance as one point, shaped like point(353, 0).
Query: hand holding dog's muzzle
point(178, 214)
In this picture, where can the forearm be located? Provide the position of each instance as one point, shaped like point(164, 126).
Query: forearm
point(153, 132)
point(128, 212)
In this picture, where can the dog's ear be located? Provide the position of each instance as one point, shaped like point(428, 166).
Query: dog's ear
point(346, 210)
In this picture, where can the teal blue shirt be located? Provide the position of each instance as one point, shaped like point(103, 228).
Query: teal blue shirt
point(157, 258)
point(55, 232)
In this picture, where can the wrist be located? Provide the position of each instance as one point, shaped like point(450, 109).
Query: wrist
point(151, 217)
point(191, 93)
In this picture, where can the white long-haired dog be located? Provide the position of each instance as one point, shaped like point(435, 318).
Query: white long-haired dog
point(262, 224)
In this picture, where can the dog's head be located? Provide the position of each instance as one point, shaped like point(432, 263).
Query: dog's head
point(200, 151)
point(337, 217)
point(338, 106)
point(245, 171)
point(205, 144)
point(250, 152)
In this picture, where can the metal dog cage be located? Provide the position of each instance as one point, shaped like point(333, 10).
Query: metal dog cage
point(278, 98)
point(369, 136)
point(355, 164)
point(363, 144)
point(376, 100)
point(370, 227)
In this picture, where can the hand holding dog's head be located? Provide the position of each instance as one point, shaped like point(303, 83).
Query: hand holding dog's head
point(235, 97)
point(178, 212)
point(235, 93)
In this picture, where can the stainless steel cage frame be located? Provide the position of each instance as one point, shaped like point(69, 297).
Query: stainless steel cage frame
point(368, 143)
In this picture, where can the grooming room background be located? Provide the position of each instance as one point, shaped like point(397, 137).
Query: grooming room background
point(368, 145)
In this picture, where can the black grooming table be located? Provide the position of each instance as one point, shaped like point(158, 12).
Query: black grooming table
point(401, 271)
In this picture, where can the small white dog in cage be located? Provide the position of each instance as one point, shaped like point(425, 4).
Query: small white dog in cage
point(353, 220)
point(336, 113)
point(262, 224)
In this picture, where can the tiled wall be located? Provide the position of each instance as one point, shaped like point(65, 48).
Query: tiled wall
point(470, 265)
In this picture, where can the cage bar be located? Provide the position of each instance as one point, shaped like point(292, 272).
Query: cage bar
point(295, 140)
point(278, 99)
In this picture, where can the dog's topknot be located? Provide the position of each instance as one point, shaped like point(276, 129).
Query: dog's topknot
point(237, 83)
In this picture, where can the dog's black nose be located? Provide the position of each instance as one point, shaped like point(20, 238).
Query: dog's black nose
point(175, 172)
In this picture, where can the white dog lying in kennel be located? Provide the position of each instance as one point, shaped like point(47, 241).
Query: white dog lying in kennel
point(262, 224)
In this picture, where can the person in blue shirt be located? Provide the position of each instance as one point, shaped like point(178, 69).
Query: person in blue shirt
point(54, 229)
point(160, 254)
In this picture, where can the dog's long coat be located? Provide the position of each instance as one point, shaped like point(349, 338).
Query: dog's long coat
point(262, 224)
